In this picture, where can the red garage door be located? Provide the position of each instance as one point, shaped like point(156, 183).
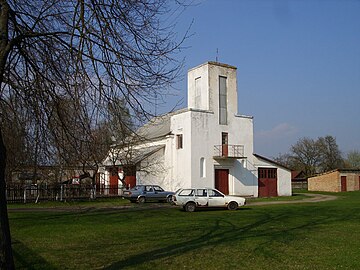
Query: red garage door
point(222, 180)
point(268, 182)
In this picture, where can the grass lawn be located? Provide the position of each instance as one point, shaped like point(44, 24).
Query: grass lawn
point(321, 235)
point(295, 197)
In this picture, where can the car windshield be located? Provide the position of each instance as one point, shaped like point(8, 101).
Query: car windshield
point(137, 188)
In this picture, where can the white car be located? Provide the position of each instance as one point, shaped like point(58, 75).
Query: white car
point(192, 198)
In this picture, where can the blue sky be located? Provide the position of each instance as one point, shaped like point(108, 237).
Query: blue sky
point(298, 65)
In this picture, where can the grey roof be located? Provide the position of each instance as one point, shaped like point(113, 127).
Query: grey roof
point(271, 161)
point(158, 126)
point(133, 156)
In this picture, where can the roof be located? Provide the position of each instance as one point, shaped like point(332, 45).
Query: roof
point(298, 176)
point(214, 64)
point(345, 170)
point(158, 126)
point(133, 157)
point(271, 161)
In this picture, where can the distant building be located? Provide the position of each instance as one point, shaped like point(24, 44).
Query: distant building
point(50, 175)
point(208, 144)
point(335, 181)
point(298, 180)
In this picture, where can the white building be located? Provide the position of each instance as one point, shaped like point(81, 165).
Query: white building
point(208, 144)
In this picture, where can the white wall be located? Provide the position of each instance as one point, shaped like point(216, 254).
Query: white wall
point(206, 130)
point(181, 158)
point(283, 176)
point(199, 125)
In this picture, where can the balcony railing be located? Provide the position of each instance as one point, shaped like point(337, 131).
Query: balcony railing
point(228, 151)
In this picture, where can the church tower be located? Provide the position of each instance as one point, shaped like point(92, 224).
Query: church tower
point(212, 87)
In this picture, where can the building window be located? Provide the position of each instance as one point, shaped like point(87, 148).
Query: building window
point(224, 144)
point(224, 138)
point(179, 141)
point(202, 168)
point(222, 101)
point(198, 93)
point(268, 173)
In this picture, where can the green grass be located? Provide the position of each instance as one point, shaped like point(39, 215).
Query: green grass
point(98, 203)
point(296, 196)
point(296, 236)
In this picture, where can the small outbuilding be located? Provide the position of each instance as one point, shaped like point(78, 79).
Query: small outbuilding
point(338, 180)
point(298, 180)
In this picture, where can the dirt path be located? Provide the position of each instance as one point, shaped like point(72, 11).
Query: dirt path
point(312, 198)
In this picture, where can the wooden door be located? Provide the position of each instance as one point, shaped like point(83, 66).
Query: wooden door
point(114, 181)
point(222, 180)
point(224, 144)
point(130, 181)
point(267, 182)
point(343, 183)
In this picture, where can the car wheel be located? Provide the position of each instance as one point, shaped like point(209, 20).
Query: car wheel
point(141, 200)
point(169, 199)
point(232, 205)
point(190, 207)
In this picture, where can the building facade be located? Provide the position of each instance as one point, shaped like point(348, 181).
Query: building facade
point(339, 180)
point(207, 144)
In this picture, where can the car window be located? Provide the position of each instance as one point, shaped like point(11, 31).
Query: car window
point(201, 192)
point(149, 189)
point(158, 189)
point(137, 188)
point(186, 192)
point(214, 193)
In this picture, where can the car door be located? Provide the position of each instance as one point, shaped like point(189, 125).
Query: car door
point(159, 193)
point(149, 193)
point(201, 198)
point(216, 199)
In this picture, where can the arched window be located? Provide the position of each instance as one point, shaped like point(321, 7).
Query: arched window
point(202, 167)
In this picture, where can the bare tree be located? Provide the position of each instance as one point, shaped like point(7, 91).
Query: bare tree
point(88, 51)
point(353, 159)
point(306, 155)
point(285, 160)
point(330, 154)
point(313, 156)
point(14, 135)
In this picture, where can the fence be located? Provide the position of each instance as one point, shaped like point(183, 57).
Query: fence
point(36, 193)
point(299, 184)
point(229, 150)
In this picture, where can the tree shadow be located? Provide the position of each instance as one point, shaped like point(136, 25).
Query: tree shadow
point(222, 232)
point(26, 258)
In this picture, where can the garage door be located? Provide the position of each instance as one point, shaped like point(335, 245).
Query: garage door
point(267, 182)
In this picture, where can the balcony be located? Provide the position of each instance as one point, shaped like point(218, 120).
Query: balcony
point(228, 151)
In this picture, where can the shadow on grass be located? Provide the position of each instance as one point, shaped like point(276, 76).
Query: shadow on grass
point(268, 228)
point(25, 258)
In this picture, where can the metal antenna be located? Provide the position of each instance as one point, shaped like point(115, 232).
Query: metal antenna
point(217, 55)
point(155, 103)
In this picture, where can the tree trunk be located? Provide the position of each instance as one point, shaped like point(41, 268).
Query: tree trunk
point(6, 256)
